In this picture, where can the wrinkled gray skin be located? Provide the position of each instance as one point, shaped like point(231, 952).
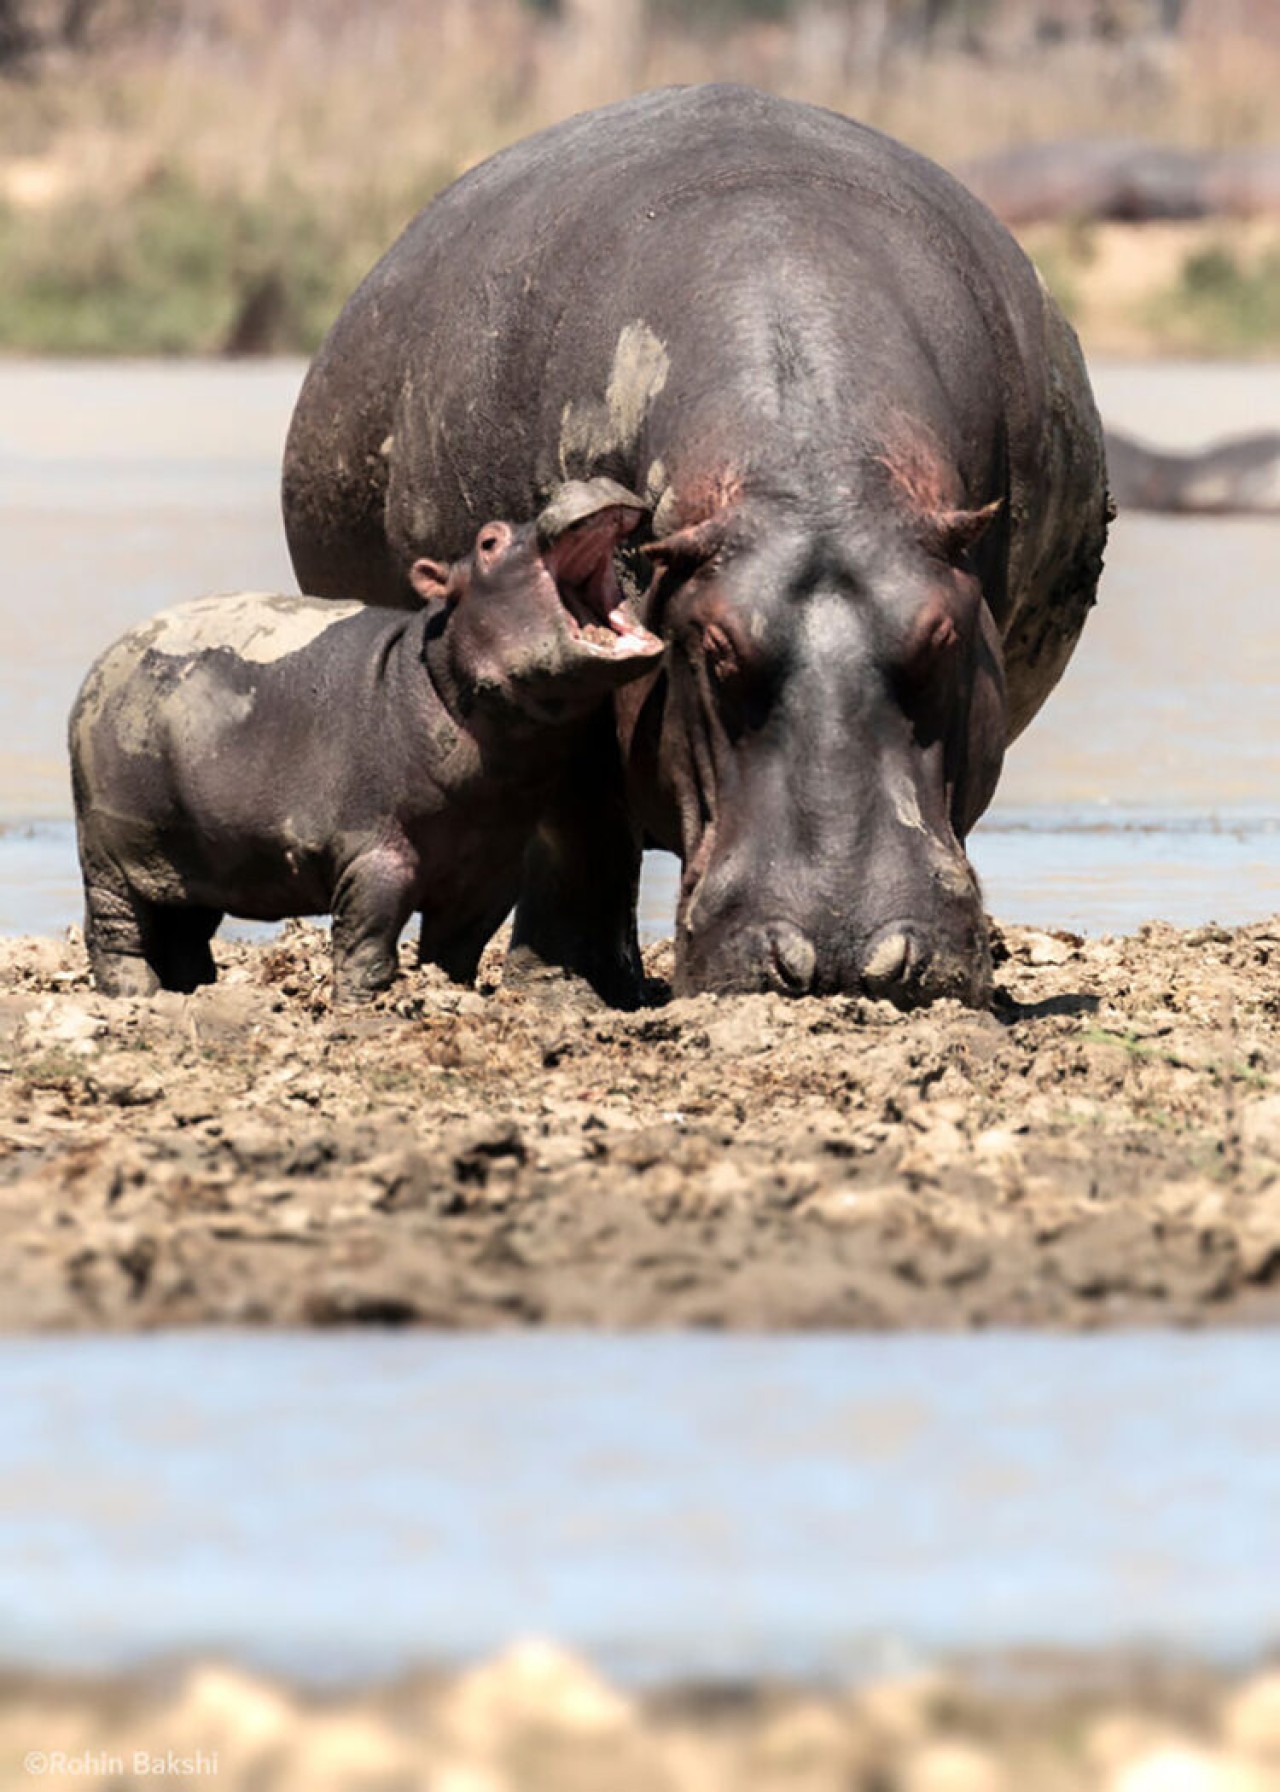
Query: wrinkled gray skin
point(270, 756)
point(1239, 476)
point(880, 509)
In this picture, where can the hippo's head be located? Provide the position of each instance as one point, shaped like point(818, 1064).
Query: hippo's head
point(535, 622)
point(834, 722)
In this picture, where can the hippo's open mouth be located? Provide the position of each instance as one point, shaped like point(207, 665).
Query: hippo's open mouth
point(612, 631)
point(599, 615)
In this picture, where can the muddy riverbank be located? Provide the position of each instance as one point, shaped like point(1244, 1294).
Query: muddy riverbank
point(1101, 1149)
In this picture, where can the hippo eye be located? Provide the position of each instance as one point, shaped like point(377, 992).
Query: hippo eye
point(927, 675)
point(721, 654)
point(940, 637)
point(742, 689)
point(489, 541)
point(933, 642)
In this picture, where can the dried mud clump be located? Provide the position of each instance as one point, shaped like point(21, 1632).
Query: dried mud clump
point(1103, 1147)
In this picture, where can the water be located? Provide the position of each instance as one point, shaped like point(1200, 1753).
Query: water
point(1149, 786)
point(122, 488)
point(344, 1506)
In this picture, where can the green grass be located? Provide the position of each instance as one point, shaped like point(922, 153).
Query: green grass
point(168, 188)
point(1221, 1070)
point(1221, 304)
point(53, 1069)
point(178, 268)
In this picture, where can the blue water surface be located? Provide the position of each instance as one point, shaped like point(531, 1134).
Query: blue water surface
point(346, 1505)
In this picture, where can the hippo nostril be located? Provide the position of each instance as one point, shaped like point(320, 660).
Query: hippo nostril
point(791, 961)
point(911, 968)
point(888, 963)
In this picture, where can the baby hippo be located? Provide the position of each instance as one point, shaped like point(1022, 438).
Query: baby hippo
point(269, 756)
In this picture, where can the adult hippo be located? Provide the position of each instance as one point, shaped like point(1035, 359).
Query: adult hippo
point(1239, 476)
point(879, 513)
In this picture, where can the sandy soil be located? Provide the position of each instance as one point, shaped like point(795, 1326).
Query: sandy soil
point(1102, 1148)
point(537, 1720)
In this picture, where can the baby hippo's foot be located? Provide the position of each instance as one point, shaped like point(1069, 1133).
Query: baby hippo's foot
point(362, 971)
point(357, 992)
point(123, 974)
point(119, 934)
point(374, 899)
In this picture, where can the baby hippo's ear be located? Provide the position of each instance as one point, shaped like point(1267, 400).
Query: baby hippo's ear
point(430, 579)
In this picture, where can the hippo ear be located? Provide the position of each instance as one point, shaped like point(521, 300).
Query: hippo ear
point(954, 532)
point(430, 579)
point(690, 547)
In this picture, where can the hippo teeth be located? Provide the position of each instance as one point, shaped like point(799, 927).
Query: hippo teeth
point(630, 633)
point(623, 623)
point(584, 614)
point(607, 631)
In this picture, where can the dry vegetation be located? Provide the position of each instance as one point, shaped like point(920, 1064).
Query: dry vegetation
point(207, 174)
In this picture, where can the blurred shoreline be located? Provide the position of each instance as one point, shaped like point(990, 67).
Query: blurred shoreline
point(536, 1719)
point(210, 177)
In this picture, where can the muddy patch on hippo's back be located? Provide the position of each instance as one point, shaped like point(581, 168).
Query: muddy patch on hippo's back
point(258, 626)
point(589, 431)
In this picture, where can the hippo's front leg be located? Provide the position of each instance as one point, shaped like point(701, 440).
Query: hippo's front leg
point(456, 942)
point(581, 879)
point(374, 898)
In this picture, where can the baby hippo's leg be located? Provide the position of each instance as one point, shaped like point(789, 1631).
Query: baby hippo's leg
point(136, 947)
point(374, 898)
point(120, 935)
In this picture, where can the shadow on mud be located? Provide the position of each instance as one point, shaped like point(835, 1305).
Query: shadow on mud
point(1006, 1009)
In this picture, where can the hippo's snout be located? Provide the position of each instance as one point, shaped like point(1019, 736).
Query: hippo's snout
point(753, 960)
point(789, 959)
point(905, 963)
point(901, 965)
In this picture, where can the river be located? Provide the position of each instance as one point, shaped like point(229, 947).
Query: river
point(340, 1507)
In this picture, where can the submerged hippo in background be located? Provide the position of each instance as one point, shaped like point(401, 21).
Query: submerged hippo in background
point(1239, 476)
point(1125, 181)
point(880, 511)
point(272, 756)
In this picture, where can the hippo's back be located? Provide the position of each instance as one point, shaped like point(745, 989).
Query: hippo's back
point(532, 312)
